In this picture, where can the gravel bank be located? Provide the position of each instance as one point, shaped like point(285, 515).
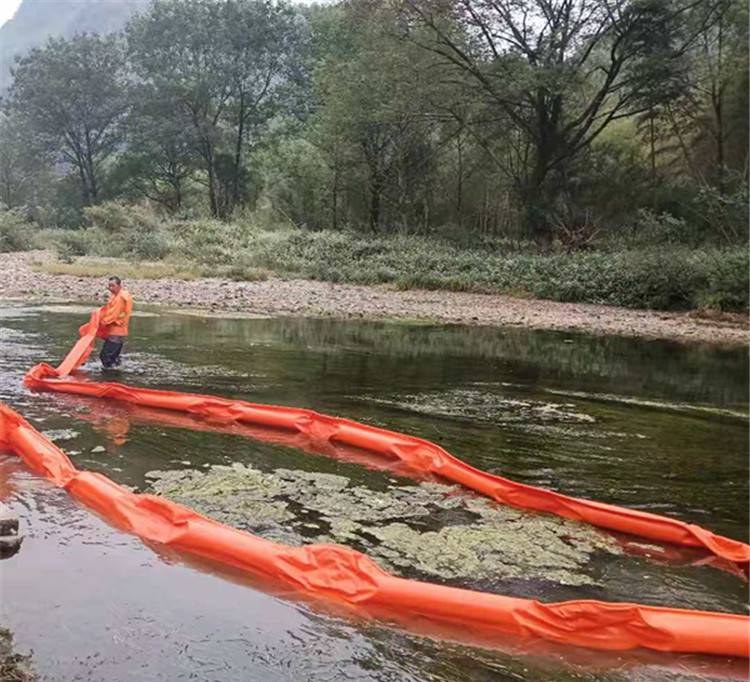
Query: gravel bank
point(347, 301)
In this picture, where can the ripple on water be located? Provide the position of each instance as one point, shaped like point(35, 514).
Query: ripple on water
point(84, 310)
point(483, 406)
point(152, 368)
point(655, 404)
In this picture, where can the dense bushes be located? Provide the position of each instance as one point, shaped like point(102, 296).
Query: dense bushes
point(650, 271)
point(115, 229)
point(675, 278)
point(15, 231)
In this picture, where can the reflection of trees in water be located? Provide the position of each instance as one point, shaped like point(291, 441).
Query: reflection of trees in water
point(621, 365)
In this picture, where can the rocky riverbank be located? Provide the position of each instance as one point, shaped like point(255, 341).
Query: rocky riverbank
point(20, 278)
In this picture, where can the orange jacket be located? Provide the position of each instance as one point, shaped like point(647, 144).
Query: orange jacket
point(116, 314)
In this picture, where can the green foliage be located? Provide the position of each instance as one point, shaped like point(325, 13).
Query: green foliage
point(69, 244)
point(296, 182)
point(701, 217)
point(117, 218)
point(611, 182)
point(651, 229)
point(726, 280)
point(342, 142)
point(72, 96)
point(25, 176)
point(148, 245)
point(209, 242)
point(58, 216)
point(723, 216)
point(374, 130)
point(670, 277)
point(133, 230)
point(161, 158)
point(115, 229)
point(15, 231)
point(225, 69)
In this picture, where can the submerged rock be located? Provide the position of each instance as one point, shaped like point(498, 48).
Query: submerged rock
point(426, 529)
point(59, 435)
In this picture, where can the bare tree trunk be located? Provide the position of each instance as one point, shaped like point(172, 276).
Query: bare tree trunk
point(89, 171)
point(335, 197)
point(93, 185)
point(177, 187)
point(238, 153)
point(376, 190)
point(717, 88)
point(212, 194)
point(537, 204)
point(537, 195)
point(459, 179)
point(7, 193)
point(652, 140)
point(85, 195)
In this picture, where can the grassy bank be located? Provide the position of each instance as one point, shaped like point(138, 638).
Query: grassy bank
point(649, 273)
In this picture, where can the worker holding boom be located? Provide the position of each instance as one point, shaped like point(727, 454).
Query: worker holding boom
point(114, 323)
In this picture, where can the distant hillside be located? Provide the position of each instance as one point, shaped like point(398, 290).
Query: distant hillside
point(37, 20)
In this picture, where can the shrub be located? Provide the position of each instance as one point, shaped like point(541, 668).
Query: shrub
point(657, 272)
point(72, 243)
point(15, 232)
point(58, 217)
point(148, 245)
point(117, 218)
point(116, 229)
point(209, 242)
point(726, 281)
point(662, 228)
point(723, 216)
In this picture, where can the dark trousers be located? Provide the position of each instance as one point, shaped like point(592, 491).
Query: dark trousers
point(110, 353)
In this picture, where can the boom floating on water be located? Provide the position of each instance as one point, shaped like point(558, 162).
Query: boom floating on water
point(343, 575)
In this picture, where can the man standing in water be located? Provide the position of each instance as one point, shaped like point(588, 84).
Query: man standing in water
point(114, 323)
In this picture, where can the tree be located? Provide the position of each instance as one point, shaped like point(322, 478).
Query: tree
point(72, 96)
point(559, 71)
point(265, 42)
point(710, 117)
point(374, 122)
point(175, 49)
point(160, 156)
point(23, 168)
point(224, 65)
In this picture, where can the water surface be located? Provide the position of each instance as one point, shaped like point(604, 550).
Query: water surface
point(651, 425)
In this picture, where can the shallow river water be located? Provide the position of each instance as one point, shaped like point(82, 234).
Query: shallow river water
point(650, 425)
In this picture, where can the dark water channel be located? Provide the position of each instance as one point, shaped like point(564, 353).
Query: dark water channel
point(651, 425)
